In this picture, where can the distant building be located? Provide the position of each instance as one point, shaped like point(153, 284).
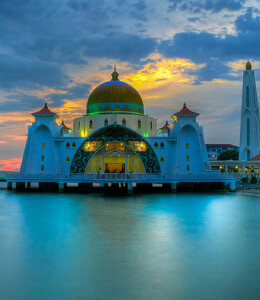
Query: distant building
point(214, 150)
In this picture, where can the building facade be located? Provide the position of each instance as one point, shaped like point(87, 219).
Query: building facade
point(115, 136)
point(250, 122)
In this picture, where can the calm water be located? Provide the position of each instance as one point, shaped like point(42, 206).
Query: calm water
point(176, 246)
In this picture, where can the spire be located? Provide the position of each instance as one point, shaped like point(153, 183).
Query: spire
point(115, 74)
point(248, 65)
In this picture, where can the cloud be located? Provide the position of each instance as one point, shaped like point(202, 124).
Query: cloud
point(197, 6)
point(12, 164)
point(125, 47)
point(215, 51)
point(18, 72)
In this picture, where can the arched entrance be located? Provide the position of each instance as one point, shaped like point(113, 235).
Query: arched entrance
point(115, 157)
point(115, 140)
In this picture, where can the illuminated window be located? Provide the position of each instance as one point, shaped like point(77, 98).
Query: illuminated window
point(188, 167)
point(187, 146)
point(42, 167)
point(78, 125)
point(73, 145)
point(43, 145)
point(155, 145)
point(162, 145)
point(68, 145)
point(151, 125)
point(124, 122)
point(187, 157)
point(162, 159)
point(42, 159)
point(106, 122)
point(90, 124)
point(247, 96)
point(139, 124)
point(67, 160)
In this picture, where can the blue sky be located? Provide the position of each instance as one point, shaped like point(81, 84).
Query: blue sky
point(172, 51)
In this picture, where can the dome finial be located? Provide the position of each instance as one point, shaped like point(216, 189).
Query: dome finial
point(46, 105)
point(248, 65)
point(115, 74)
point(184, 105)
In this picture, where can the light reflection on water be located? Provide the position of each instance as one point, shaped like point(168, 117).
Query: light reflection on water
point(161, 246)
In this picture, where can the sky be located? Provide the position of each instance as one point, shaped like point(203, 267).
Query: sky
point(171, 51)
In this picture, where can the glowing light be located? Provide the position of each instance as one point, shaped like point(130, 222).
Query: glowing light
point(137, 146)
point(92, 146)
point(159, 130)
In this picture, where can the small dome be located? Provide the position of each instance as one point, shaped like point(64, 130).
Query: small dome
point(248, 65)
point(115, 96)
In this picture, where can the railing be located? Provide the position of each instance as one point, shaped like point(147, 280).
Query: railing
point(208, 175)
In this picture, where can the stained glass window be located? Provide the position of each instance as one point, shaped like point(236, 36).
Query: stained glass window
point(92, 146)
point(106, 122)
point(67, 160)
point(137, 146)
point(68, 145)
point(73, 145)
point(139, 124)
point(162, 145)
point(90, 124)
point(155, 145)
point(162, 159)
point(124, 122)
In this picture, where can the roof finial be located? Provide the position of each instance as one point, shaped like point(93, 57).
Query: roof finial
point(115, 74)
point(46, 105)
point(62, 122)
point(184, 105)
point(248, 65)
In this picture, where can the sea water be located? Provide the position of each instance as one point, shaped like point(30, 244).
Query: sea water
point(159, 246)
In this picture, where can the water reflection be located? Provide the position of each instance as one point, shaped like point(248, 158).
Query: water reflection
point(177, 246)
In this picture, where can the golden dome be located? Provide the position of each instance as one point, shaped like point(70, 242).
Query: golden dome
point(248, 65)
point(115, 96)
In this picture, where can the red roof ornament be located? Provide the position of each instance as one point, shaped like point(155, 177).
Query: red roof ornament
point(166, 125)
point(256, 158)
point(64, 127)
point(186, 111)
point(44, 111)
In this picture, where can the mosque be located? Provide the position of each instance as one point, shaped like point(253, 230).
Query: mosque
point(115, 136)
point(116, 144)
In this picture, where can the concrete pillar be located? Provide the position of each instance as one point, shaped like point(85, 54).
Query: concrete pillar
point(232, 186)
point(130, 188)
point(61, 187)
point(173, 187)
point(9, 186)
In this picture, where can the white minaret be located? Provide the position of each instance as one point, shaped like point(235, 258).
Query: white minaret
point(249, 130)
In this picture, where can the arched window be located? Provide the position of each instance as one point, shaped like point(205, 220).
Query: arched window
point(188, 167)
point(155, 145)
point(248, 131)
point(67, 160)
point(42, 167)
point(73, 145)
point(247, 96)
point(162, 159)
point(139, 123)
point(124, 122)
point(162, 145)
point(90, 124)
point(78, 125)
point(68, 145)
point(151, 125)
point(106, 122)
point(42, 159)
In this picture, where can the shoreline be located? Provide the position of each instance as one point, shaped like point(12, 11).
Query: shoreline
point(249, 192)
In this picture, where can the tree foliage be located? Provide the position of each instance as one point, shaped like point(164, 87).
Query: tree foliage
point(229, 155)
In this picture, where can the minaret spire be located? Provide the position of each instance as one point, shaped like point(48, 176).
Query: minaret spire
point(250, 122)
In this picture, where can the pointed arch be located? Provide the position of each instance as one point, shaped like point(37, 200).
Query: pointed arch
point(115, 133)
point(68, 145)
